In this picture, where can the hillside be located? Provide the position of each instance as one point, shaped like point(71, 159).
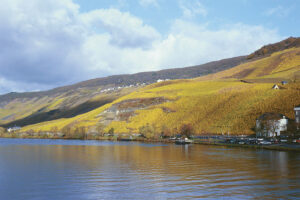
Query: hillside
point(33, 107)
point(224, 102)
point(283, 65)
point(291, 42)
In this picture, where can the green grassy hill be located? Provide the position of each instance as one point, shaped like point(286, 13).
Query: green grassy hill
point(225, 102)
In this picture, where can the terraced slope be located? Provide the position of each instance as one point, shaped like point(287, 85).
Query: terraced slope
point(283, 65)
point(23, 111)
point(225, 102)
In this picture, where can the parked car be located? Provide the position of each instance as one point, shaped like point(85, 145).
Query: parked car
point(265, 142)
point(283, 140)
point(252, 141)
point(233, 141)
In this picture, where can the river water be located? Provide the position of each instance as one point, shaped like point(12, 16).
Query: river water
point(74, 169)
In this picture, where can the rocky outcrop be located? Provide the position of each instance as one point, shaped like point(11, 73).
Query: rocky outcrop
point(123, 110)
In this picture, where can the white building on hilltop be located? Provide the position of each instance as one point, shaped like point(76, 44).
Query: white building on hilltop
point(275, 87)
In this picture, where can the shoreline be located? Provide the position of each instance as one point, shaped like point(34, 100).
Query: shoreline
point(276, 147)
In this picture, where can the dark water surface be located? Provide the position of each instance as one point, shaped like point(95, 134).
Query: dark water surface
point(70, 169)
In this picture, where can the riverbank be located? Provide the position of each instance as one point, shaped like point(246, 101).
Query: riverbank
point(277, 147)
point(108, 138)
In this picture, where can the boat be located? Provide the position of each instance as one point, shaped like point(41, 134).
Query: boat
point(126, 139)
point(183, 141)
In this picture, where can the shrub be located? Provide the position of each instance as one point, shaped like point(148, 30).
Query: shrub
point(111, 131)
point(149, 131)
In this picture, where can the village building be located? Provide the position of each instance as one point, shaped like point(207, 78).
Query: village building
point(12, 129)
point(271, 125)
point(284, 82)
point(297, 116)
point(275, 87)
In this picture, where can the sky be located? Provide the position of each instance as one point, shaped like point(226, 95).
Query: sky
point(50, 43)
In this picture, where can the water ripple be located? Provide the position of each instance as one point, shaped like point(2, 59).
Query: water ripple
point(47, 169)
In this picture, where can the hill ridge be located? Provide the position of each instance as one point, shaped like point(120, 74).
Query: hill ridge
point(275, 47)
point(141, 77)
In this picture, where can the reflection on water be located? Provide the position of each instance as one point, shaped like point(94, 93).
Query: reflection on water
point(69, 169)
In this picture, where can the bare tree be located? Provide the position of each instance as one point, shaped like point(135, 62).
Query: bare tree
point(186, 129)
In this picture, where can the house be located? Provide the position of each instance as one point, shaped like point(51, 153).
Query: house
point(284, 82)
point(271, 125)
point(275, 87)
point(12, 129)
point(297, 114)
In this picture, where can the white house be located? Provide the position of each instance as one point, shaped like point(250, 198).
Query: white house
point(271, 125)
point(297, 114)
point(161, 80)
point(275, 87)
point(12, 129)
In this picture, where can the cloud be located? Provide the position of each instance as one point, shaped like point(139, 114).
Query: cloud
point(192, 8)
point(7, 86)
point(39, 40)
point(146, 3)
point(190, 43)
point(50, 43)
point(278, 11)
point(125, 29)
